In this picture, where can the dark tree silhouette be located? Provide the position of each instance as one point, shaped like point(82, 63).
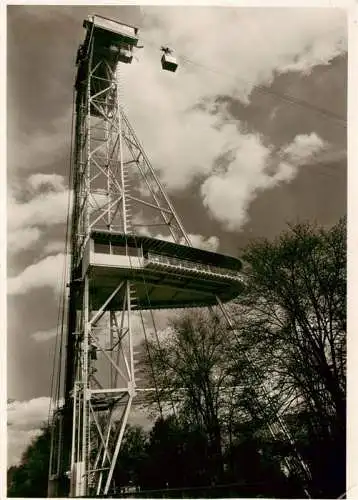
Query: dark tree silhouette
point(292, 323)
point(29, 479)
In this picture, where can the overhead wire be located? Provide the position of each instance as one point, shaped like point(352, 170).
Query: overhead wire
point(54, 362)
point(293, 100)
point(264, 90)
point(67, 236)
point(55, 389)
point(280, 95)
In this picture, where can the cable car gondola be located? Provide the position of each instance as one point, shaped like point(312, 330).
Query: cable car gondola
point(169, 62)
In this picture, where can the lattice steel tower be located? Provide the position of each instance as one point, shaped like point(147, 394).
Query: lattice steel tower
point(115, 271)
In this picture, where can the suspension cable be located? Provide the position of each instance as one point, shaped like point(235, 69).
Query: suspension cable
point(55, 389)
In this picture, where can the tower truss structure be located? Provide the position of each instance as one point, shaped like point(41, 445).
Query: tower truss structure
point(115, 271)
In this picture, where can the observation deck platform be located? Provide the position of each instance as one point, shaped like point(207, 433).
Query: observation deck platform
point(165, 275)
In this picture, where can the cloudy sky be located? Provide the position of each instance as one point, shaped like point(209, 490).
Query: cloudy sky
point(247, 135)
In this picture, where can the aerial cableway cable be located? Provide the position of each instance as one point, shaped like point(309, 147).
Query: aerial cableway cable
point(280, 95)
point(54, 420)
point(55, 390)
point(293, 100)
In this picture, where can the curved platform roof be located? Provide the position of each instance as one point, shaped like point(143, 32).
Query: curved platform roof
point(167, 248)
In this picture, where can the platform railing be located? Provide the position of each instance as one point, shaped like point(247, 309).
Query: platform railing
point(187, 264)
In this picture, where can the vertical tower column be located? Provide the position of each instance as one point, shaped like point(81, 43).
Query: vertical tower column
point(98, 390)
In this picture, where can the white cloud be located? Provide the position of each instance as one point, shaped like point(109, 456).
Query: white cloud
point(303, 148)
point(54, 181)
point(45, 209)
point(22, 239)
point(277, 38)
point(246, 47)
point(206, 243)
point(44, 335)
point(210, 243)
point(24, 420)
point(228, 194)
point(26, 220)
point(321, 50)
point(47, 272)
point(285, 172)
point(240, 49)
point(53, 247)
point(28, 414)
